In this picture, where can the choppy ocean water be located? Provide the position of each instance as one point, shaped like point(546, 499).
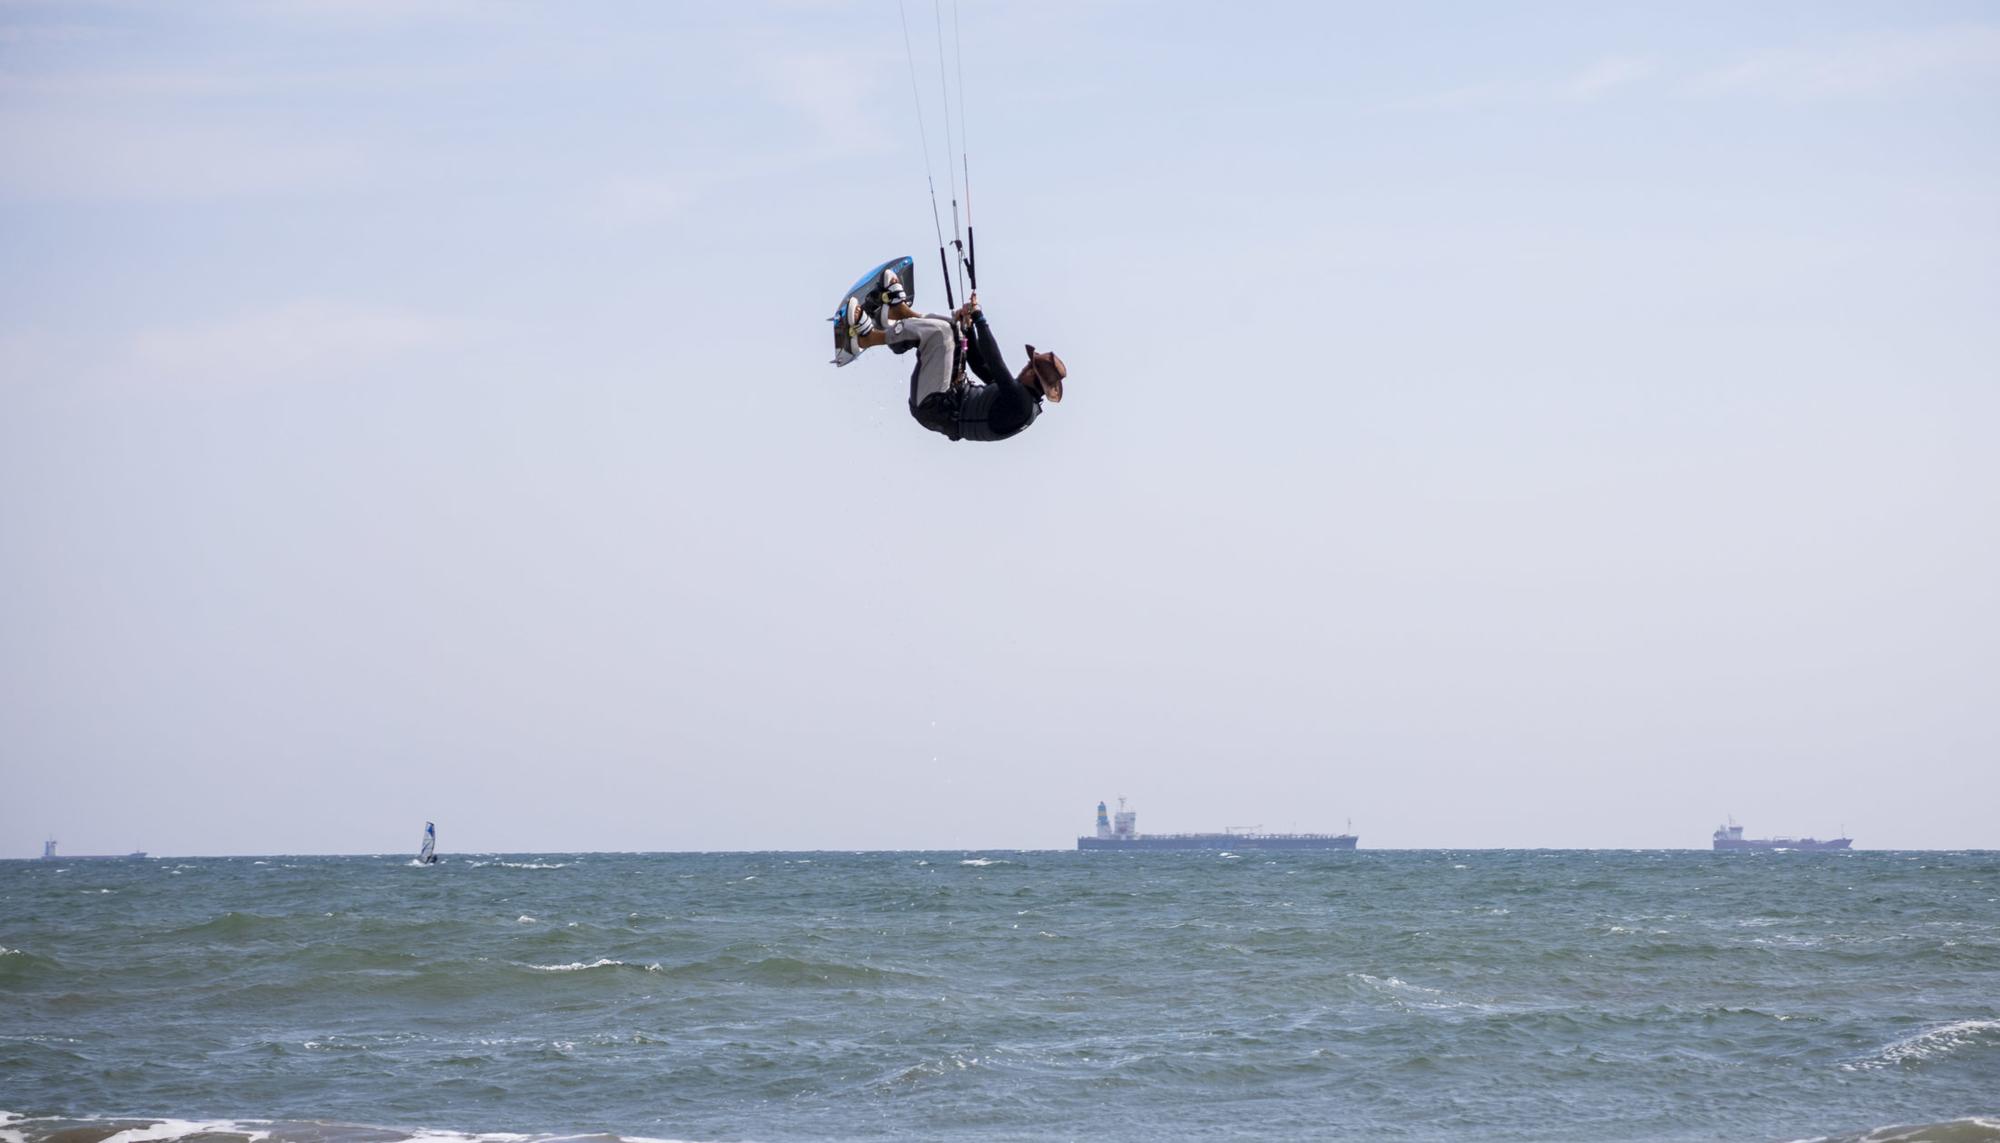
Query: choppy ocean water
point(1045, 995)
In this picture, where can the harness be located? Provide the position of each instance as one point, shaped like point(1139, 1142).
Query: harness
point(939, 411)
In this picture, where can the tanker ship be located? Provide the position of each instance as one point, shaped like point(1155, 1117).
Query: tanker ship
point(1731, 837)
point(1122, 832)
point(49, 854)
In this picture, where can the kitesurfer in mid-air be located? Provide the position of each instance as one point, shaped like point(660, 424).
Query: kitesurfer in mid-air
point(940, 400)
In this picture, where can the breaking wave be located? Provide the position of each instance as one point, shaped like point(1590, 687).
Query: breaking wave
point(1931, 1044)
point(1971, 1130)
point(604, 962)
point(15, 1128)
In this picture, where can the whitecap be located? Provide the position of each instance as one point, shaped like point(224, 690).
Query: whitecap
point(1414, 995)
point(524, 919)
point(1394, 983)
point(256, 1131)
point(579, 966)
point(1914, 1132)
point(1929, 1044)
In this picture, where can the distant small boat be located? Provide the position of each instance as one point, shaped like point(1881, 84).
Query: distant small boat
point(428, 854)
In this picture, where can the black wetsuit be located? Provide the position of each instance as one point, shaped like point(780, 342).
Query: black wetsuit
point(993, 411)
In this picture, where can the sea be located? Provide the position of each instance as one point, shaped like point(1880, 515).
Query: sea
point(1420, 995)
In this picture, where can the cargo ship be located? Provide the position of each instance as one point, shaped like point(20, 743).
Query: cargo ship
point(1121, 832)
point(49, 854)
point(1731, 837)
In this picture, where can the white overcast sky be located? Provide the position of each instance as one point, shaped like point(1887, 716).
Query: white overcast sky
point(1532, 425)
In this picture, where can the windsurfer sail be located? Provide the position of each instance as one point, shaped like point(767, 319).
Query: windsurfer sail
point(428, 854)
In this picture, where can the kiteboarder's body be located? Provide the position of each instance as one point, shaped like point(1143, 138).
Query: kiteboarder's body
point(1005, 404)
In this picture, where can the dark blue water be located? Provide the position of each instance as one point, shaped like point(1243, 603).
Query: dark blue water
point(1411, 995)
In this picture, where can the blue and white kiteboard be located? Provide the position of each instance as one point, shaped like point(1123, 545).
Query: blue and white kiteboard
point(869, 289)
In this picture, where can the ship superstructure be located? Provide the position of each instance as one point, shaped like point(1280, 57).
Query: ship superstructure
point(1121, 831)
point(1730, 836)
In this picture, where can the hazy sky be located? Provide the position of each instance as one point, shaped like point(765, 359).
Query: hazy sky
point(1558, 425)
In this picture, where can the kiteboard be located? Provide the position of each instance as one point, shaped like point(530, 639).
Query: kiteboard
point(869, 289)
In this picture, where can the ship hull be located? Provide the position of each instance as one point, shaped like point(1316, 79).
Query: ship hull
point(94, 857)
point(1806, 844)
point(1229, 841)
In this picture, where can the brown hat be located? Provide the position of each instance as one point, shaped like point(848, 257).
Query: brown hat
point(1050, 371)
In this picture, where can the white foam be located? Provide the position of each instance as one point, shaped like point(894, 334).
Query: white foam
point(427, 1135)
point(579, 966)
point(180, 1128)
point(1392, 982)
point(1906, 1133)
point(1929, 1044)
point(524, 919)
point(257, 1130)
point(980, 861)
point(1414, 995)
